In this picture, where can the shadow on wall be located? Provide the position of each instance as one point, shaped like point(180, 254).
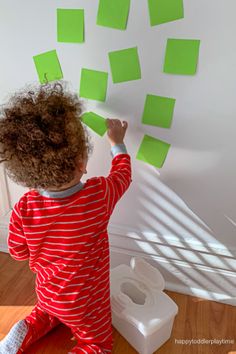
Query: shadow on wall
point(201, 169)
point(185, 246)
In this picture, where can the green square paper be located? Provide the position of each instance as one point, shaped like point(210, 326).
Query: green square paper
point(158, 111)
point(181, 56)
point(162, 11)
point(70, 25)
point(93, 84)
point(48, 67)
point(125, 65)
point(153, 151)
point(113, 13)
point(95, 122)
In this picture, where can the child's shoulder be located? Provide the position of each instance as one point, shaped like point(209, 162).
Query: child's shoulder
point(21, 206)
point(96, 182)
point(27, 196)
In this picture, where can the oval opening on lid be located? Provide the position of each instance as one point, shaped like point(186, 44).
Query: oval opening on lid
point(135, 295)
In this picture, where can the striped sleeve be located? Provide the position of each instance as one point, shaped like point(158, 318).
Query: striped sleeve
point(118, 180)
point(16, 239)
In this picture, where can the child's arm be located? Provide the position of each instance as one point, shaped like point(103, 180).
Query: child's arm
point(16, 239)
point(119, 177)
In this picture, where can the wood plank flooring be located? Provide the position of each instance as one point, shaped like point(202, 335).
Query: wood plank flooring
point(197, 318)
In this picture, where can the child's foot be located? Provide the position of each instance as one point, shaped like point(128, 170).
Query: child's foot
point(13, 340)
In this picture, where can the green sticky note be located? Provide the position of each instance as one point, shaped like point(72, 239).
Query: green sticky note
point(162, 11)
point(158, 111)
point(95, 122)
point(48, 67)
point(125, 65)
point(70, 25)
point(113, 13)
point(93, 84)
point(181, 56)
point(153, 151)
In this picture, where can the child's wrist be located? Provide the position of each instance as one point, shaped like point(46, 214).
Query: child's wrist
point(118, 149)
point(117, 143)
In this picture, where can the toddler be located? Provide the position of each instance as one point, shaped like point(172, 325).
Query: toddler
point(60, 224)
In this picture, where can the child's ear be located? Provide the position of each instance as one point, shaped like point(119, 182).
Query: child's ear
point(84, 170)
point(82, 167)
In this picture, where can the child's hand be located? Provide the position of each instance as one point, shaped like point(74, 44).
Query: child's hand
point(116, 131)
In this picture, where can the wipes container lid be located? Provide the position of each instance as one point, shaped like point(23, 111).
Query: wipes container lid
point(147, 272)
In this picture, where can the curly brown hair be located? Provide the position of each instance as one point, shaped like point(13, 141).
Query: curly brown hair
point(42, 137)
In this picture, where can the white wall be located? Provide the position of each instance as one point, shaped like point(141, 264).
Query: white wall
point(184, 215)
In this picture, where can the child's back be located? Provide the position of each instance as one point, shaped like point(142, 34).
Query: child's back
point(63, 233)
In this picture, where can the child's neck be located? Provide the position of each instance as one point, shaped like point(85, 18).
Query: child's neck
point(75, 181)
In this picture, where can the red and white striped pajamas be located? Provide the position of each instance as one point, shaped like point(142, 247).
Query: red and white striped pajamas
point(66, 242)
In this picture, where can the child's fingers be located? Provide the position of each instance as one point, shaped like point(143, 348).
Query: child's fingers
point(113, 123)
point(125, 124)
point(109, 123)
point(116, 123)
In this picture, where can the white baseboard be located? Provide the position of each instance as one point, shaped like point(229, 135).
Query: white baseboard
point(205, 270)
point(3, 235)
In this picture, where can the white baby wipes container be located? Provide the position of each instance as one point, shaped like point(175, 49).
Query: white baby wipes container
point(141, 311)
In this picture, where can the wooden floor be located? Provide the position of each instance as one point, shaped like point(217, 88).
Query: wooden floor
point(197, 318)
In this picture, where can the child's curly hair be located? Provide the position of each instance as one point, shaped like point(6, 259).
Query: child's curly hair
point(42, 137)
